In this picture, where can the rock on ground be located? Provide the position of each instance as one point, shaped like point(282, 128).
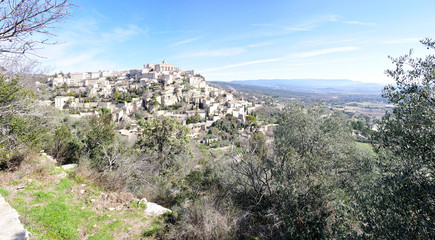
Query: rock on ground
point(155, 209)
point(71, 166)
point(10, 225)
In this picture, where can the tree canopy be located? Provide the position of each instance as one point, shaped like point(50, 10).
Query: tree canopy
point(297, 190)
point(165, 136)
point(400, 200)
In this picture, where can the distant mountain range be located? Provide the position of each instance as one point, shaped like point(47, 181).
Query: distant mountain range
point(343, 86)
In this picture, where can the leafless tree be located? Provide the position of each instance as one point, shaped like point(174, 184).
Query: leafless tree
point(251, 176)
point(27, 70)
point(112, 155)
point(26, 24)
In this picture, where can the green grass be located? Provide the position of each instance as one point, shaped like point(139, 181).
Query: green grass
point(136, 205)
point(4, 192)
point(60, 219)
point(107, 229)
point(133, 215)
point(19, 204)
point(364, 146)
point(49, 210)
point(40, 196)
point(155, 227)
point(33, 187)
point(55, 170)
point(64, 184)
point(52, 214)
point(15, 182)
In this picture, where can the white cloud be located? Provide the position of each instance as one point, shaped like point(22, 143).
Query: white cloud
point(331, 18)
point(262, 44)
point(313, 23)
point(82, 61)
point(81, 48)
point(186, 41)
point(79, 58)
point(292, 56)
point(243, 64)
point(360, 23)
point(325, 51)
point(178, 31)
point(300, 29)
point(223, 52)
point(327, 42)
point(120, 34)
point(403, 40)
point(261, 24)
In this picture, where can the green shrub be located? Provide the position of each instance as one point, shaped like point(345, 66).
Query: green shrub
point(157, 226)
point(203, 220)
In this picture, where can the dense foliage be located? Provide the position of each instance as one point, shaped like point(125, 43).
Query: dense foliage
point(21, 125)
point(296, 190)
point(400, 200)
point(194, 119)
point(227, 128)
point(307, 181)
point(164, 136)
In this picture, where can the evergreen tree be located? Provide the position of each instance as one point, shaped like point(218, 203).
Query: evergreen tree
point(399, 203)
point(164, 136)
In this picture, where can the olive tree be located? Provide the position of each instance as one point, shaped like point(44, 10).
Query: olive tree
point(99, 140)
point(299, 190)
point(165, 137)
point(23, 122)
point(24, 26)
point(399, 202)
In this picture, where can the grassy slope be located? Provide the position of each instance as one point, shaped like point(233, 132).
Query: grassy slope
point(364, 146)
point(56, 207)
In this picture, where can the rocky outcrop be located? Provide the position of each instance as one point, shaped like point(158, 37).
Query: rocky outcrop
point(153, 208)
point(10, 225)
point(69, 167)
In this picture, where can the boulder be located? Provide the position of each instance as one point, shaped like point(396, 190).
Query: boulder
point(71, 166)
point(143, 201)
point(10, 224)
point(155, 209)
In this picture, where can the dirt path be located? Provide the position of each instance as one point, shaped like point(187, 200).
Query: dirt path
point(10, 226)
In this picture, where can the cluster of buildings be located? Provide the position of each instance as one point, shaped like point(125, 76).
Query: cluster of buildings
point(165, 90)
point(151, 73)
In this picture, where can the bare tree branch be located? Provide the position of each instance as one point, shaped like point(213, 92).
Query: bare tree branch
point(21, 20)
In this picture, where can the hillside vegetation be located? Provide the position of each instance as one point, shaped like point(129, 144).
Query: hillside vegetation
point(55, 203)
point(299, 171)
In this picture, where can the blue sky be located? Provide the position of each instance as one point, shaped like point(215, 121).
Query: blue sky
point(238, 40)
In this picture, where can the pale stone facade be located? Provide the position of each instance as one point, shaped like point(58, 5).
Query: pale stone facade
point(159, 86)
point(60, 101)
point(164, 67)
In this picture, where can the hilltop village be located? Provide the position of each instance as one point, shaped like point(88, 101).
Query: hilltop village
point(156, 90)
